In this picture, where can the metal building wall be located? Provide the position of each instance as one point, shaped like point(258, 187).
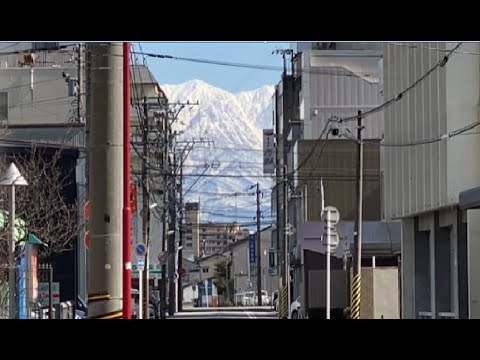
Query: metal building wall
point(339, 83)
point(426, 177)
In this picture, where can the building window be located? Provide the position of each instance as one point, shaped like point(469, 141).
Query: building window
point(189, 245)
point(205, 270)
point(219, 242)
point(224, 242)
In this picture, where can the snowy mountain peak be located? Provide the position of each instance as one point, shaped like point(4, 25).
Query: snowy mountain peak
point(234, 123)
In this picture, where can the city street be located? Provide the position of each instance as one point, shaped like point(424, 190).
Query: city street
point(227, 313)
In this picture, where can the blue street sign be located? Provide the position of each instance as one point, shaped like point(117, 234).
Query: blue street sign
point(251, 246)
point(141, 249)
point(141, 264)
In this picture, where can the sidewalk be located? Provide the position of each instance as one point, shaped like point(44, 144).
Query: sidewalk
point(229, 308)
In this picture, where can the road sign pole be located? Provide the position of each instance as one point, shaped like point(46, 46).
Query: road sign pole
point(328, 265)
point(331, 216)
point(140, 293)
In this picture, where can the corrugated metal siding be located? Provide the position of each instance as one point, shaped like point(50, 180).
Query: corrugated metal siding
point(416, 177)
point(337, 91)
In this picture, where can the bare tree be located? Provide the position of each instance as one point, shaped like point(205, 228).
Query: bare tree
point(42, 204)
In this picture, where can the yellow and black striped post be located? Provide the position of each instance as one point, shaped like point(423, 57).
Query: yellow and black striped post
point(355, 296)
point(118, 314)
point(284, 303)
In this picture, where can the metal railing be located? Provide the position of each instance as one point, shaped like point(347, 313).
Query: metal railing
point(424, 314)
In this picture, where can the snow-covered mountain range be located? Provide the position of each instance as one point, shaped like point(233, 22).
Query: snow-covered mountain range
point(232, 162)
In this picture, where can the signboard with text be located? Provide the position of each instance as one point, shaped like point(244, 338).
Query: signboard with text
point(268, 151)
point(251, 247)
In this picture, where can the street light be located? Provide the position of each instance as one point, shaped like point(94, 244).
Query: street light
point(12, 178)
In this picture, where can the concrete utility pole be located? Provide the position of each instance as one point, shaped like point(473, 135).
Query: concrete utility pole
point(166, 206)
point(80, 88)
point(182, 232)
point(145, 206)
point(171, 240)
point(357, 259)
point(259, 249)
point(105, 181)
point(286, 236)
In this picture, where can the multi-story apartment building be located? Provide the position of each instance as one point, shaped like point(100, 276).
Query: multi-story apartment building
point(205, 239)
point(423, 182)
point(215, 237)
point(191, 249)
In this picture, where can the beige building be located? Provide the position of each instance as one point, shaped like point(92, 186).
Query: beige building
point(216, 237)
point(192, 233)
point(205, 239)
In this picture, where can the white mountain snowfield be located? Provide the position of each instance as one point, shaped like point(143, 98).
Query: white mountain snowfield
point(234, 123)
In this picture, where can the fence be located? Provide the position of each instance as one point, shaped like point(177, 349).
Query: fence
point(36, 294)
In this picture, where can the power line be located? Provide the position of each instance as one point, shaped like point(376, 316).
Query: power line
point(423, 141)
point(399, 96)
point(31, 84)
point(432, 48)
point(341, 72)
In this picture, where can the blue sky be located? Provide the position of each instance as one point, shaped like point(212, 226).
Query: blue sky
point(228, 78)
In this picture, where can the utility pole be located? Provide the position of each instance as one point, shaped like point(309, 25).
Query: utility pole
point(127, 211)
point(105, 184)
point(80, 88)
point(146, 206)
point(357, 258)
point(182, 232)
point(165, 213)
point(171, 241)
point(286, 234)
point(259, 250)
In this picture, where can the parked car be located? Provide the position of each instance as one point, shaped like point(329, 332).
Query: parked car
point(294, 309)
point(265, 298)
point(248, 299)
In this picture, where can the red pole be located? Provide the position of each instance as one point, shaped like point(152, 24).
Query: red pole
point(127, 212)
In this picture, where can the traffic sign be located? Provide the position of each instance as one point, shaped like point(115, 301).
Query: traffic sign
point(141, 264)
point(334, 214)
point(141, 249)
point(86, 239)
point(86, 210)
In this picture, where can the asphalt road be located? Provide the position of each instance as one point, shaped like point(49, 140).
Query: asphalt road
point(227, 313)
